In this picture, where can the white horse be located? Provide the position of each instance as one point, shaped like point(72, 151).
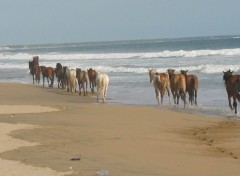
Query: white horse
point(102, 86)
point(70, 75)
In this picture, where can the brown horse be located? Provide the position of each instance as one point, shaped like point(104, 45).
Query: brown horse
point(178, 86)
point(232, 83)
point(35, 71)
point(48, 72)
point(92, 75)
point(192, 86)
point(160, 83)
point(82, 77)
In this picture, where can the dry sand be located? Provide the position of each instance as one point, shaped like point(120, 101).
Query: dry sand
point(43, 128)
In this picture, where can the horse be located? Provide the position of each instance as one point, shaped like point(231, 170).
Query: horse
point(35, 71)
point(232, 83)
point(192, 86)
point(82, 77)
point(59, 75)
point(102, 81)
point(178, 86)
point(92, 75)
point(71, 80)
point(160, 82)
point(48, 72)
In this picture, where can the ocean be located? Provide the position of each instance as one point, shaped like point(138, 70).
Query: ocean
point(127, 64)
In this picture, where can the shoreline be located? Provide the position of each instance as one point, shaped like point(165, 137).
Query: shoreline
point(124, 140)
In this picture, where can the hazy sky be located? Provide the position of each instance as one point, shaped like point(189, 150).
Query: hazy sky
point(64, 21)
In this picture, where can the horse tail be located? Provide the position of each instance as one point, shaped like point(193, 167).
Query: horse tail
point(182, 88)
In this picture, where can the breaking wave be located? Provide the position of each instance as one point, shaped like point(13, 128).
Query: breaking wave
point(162, 54)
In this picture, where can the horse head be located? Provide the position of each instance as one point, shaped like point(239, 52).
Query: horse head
point(227, 75)
point(58, 65)
point(170, 72)
point(152, 73)
point(157, 76)
point(78, 71)
point(184, 72)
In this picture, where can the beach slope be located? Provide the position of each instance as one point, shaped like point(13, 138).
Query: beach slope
point(52, 132)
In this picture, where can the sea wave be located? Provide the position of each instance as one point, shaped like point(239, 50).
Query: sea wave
point(162, 54)
point(208, 69)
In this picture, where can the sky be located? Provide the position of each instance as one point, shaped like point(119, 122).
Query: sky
point(70, 21)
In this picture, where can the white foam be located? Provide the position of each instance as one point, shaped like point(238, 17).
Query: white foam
point(162, 54)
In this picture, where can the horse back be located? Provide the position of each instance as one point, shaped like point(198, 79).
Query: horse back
point(178, 81)
point(92, 75)
point(102, 80)
point(233, 79)
point(50, 72)
point(233, 85)
point(82, 76)
point(192, 82)
point(164, 79)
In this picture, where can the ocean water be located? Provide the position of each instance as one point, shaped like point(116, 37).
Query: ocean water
point(127, 64)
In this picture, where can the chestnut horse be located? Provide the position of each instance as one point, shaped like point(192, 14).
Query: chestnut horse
point(82, 77)
point(35, 71)
point(160, 82)
point(92, 75)
point(192, 86)
point(48, 72)
point(178, 86)
point(232, 83)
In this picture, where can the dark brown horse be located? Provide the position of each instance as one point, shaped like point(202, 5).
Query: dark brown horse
point(48, 72)
point(59, 75)
point(178, 86)
point(192, 86)
point(232, 83)
point(35, 71)
point(82, 77)
point(92, 75)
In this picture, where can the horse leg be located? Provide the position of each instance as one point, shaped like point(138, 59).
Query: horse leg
point(84, 90)
point(52, 80)
point(174, 96)
point(229, 102)
point(98, 93)
point(92, 86)
point(168, 91)
point(105, 93)
point(157, 96)
point(235, 104)
point(162, 98)
point(196, 97)
point(43, 80)
point(48, 81)
point(178, 96)
point(184, 99)
point(33, 78)
point(191, 97)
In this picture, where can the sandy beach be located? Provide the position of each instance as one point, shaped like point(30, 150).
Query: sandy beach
point(49, 132)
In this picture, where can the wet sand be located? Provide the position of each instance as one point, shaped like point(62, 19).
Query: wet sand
point(47, 127)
